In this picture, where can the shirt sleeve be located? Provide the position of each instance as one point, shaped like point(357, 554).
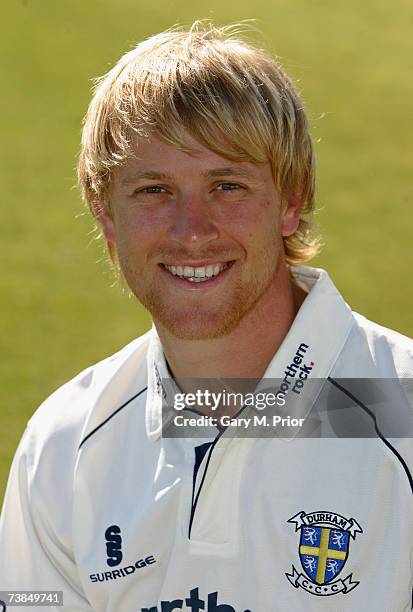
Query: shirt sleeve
point(32, 556)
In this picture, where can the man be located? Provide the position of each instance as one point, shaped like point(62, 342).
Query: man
point(198, 164)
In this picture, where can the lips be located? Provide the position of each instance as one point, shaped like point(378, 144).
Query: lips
point(197, 274)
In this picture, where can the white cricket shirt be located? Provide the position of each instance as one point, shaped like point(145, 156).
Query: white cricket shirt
point(120, 518)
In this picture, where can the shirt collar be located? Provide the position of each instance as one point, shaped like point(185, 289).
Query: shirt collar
point(318, 333)
point(158, 378)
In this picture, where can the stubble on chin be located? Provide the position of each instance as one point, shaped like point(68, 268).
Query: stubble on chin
point(201, 322)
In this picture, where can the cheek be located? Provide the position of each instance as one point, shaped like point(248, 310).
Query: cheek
point(266, 232)
point(259, 224)
point(139, 230)
point(252, 218)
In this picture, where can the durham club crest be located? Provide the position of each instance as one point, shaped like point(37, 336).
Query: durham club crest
point(323, 550)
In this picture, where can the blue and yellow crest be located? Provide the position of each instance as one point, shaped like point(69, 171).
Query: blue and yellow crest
point(323, 551)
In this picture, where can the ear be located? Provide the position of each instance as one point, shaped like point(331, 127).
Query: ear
point(103, 215)
point(291, 213)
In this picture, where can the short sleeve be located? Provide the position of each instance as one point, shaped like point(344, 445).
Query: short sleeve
point(31, 555)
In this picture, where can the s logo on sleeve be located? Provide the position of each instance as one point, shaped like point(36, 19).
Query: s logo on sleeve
point(113, 545)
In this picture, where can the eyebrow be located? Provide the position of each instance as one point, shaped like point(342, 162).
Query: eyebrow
point(144, 175)
point(228, 170)
point(156, 176)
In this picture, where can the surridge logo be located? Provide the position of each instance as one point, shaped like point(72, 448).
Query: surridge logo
point(115, 556)
point(113, 545)
point(296, 373)
point(123, 572)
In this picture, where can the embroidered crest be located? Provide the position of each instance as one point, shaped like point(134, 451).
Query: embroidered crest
point(323, 550)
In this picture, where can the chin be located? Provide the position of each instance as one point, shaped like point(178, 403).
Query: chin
point(206, 321)
point(197, 327)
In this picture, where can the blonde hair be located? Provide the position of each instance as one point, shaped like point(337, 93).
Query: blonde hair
point(231, 97)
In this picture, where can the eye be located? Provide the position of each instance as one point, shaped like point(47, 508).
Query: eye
point(151, 189)
point(229, 187)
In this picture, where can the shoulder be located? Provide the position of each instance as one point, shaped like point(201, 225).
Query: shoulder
point(361, 347)
point(375, 370)
point(58, 426)
point(44, 465)
point(376, 351)
point(39, 502)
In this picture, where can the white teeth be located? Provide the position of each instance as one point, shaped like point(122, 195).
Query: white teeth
point(197, 275)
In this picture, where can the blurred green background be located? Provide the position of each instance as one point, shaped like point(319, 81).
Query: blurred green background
point(59, 309)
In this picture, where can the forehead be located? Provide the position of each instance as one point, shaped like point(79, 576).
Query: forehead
point(153, 157)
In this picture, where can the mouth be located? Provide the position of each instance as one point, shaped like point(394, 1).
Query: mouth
point(198, 274)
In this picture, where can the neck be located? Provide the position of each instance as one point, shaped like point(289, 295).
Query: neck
point(249, 348)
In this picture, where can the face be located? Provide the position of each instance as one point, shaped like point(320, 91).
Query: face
point(198, 237)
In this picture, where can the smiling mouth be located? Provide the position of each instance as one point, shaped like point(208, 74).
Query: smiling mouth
point(198, 274)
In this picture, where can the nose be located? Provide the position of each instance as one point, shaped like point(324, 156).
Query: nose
point(192, 223)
